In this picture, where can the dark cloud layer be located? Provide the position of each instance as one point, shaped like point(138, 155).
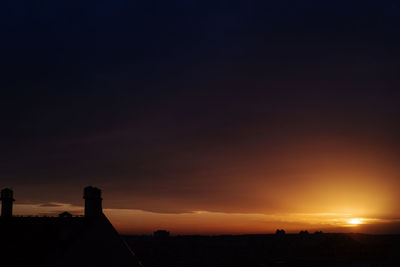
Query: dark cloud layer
point(194, 105)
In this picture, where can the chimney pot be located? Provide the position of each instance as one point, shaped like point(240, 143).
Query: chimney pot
point(93, 201)
point(7, 199)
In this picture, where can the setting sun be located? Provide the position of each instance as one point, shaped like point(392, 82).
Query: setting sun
point(355, 221)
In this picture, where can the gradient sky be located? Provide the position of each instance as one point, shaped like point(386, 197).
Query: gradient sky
point(204, 116)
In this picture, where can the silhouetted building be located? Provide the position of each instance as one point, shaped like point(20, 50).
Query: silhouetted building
point(65, 214)
point(62, 241)
point(93, 206)
point(280, 232)
point(305, 232)
point(161, 233)
point(7, 200)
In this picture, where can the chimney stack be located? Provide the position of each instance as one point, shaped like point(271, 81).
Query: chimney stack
point(92, 196)
point(6, 202)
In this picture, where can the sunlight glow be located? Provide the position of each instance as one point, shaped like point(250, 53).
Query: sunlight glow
point(355, 221)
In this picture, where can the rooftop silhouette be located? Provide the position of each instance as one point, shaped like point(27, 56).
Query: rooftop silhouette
point(66, 240)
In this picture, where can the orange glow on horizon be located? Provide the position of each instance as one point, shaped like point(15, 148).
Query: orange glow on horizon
point(355, 221)
point(306, 186)
point(205, 222)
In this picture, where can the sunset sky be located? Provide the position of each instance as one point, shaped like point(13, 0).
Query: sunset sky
point(204, 117)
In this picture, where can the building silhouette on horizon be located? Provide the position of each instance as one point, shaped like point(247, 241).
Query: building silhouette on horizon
point(66, 240)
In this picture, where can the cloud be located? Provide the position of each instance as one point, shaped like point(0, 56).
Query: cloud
point(48, 209)
point(51, 204)
point(137, 221)
point(249, 109)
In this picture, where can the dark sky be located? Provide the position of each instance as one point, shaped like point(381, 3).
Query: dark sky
point(176, 106)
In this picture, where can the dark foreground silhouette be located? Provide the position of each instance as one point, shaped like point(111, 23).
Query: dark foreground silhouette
point(91, 241)
point(268, 250)
point(63, 241)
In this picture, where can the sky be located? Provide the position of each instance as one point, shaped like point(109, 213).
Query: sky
point(204, 116)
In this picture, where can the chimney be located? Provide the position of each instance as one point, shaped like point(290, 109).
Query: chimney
point(92, 196)
point(6, 202)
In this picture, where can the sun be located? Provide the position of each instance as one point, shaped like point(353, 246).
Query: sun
point(355, 221)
